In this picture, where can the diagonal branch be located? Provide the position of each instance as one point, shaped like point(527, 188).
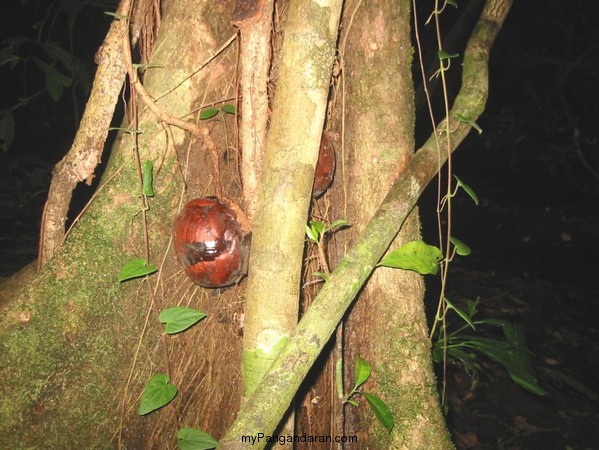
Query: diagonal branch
point(86, 152)
point(263, 410)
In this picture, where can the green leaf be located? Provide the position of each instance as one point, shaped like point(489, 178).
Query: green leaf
point(314, 230)
point(337, 223)
point(452, 3)
point(194, 439)
point(417, 256)
point(208, 113)
point(513, 357)
point(134, 268)
point(381, 410)
point(468, 190)
point(522, 371)
point(465, 316)
point(55, 81)
point(312, 236)
point(442, 54)
point(179, 318)
point(158, 393)
point(362, 371)
point(147, 172)
point(461, 248)
point(352, 402)
point(229, 109)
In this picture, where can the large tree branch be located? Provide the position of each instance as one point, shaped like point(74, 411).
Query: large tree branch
point(263, 410)
point(284, 195)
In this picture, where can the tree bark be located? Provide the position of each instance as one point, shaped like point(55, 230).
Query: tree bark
point(387, 325)
point(70, 377)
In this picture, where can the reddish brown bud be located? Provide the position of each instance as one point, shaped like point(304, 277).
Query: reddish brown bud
point(210, 243)
point(325, 167)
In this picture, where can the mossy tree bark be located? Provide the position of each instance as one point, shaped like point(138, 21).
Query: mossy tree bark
point(76, 345)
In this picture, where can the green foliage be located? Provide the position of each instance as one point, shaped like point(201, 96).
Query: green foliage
point(209, 113)
point(193, 439)
point(179, 318)
point(45, 58)
point(134, 268)
point(316, 229)
point(362, 372)
point(467, 189)
point(158, 393)
point(148, 178)
point(462, 347)
point(417, 256)
point(460, 247)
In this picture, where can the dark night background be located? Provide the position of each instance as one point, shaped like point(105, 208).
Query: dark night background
point(534, 235)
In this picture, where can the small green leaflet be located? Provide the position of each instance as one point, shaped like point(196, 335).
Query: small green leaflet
point(442, 54)
point(208, 113)
point(315, 230)
point(381, 411)
point(230, 109)
point(158, 393)
point(193, 439)
point(468, 190)
point(362, 371)
point(461, 248)
point(134, 268)
point(417, 256)
point(147, 173)
point(179, 318)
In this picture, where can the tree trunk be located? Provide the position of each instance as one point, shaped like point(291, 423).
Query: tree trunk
point(77, 350)
point(387, 325)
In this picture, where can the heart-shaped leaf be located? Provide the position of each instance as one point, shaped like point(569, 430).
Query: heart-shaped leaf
point(137, 267)
point(158, 393)
point(179, 318)
point(193, 439)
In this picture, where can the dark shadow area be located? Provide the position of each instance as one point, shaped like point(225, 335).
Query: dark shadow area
point(534, 235)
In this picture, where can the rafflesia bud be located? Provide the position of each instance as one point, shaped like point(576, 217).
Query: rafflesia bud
point(325, 167)
point(210, 243)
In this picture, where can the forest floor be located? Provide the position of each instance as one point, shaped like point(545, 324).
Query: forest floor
point(533, 263)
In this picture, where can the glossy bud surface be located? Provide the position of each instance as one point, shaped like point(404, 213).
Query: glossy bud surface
point(209, 243)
